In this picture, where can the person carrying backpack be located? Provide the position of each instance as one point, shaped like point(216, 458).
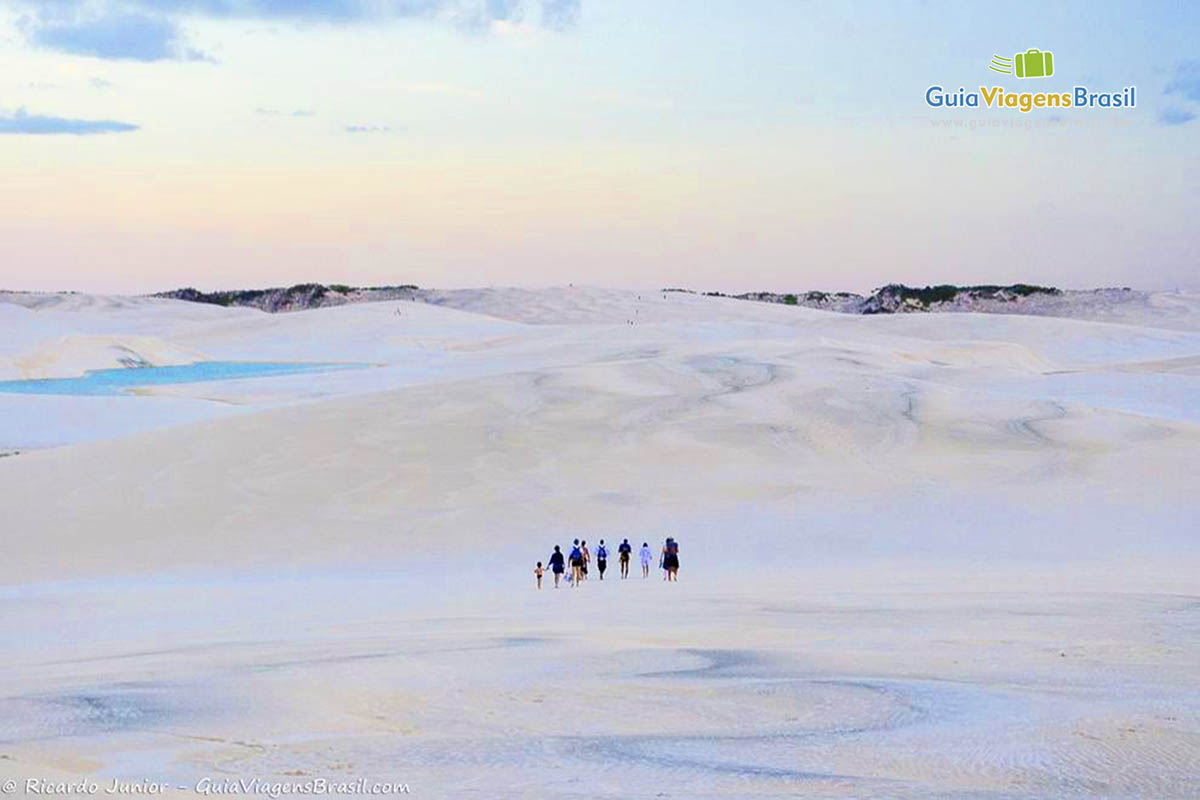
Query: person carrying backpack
point(601, 558)
point(624, 551)
point(576, 559)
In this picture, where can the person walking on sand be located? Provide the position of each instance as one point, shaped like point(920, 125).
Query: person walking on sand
point(576, 565)
point(671, 559)
point(645, 556)
point(587, 558)
point(623, 552)
point(601, 558)
point(556, 566)
point(537, 573)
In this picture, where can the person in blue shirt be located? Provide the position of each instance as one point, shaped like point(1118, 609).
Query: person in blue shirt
point(601, 559)
point(624, 550)
point(556, 566)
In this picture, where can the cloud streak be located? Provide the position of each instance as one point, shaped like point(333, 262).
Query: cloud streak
point(113, 35)
point(551, 13)
point(25, 123)
point(559, 15)
point(368, 129)
point(150, 30)
point(1186, 83)
point(1176, 116)
point(275, 112)
point(1183, 88)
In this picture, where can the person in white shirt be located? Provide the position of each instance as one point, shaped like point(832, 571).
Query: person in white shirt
point(646, 556)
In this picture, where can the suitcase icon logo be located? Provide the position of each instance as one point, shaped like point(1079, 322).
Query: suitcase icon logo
point(1033, 63)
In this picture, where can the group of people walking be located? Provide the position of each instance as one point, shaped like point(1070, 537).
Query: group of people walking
point(580, 558)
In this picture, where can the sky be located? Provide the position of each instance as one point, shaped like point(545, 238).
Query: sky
point(760, 145)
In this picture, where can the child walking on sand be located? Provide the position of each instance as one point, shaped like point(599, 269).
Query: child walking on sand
point(537, 571)
point(646, 555)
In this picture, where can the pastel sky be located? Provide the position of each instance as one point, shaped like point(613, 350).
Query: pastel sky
point(763, 144)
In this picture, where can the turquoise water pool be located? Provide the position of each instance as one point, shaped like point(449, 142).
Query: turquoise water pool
point(117, 381)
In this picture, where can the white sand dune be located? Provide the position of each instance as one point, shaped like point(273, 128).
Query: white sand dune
point(63, 335)
point(934, 556)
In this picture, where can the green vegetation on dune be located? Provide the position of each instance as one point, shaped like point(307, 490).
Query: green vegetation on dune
point(245, 297)
point(897, 297)
point(290, 298)
point(945, 293)
point(890, 299)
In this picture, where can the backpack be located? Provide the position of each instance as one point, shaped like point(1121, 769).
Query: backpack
point(602, 552)
point(576, 554)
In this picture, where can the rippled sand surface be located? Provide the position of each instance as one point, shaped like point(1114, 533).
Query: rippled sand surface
point(948, 557)
point(629, 689)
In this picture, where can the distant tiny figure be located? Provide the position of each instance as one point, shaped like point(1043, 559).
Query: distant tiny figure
point(556, 565)
point(537, 571)
point(671, 559)
point(587, 557)
point(624, 550)
point(601, 558)
point(576, 565)
point(645, 554)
